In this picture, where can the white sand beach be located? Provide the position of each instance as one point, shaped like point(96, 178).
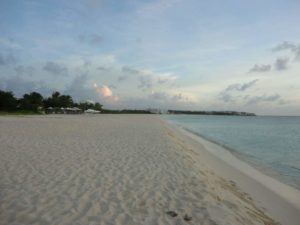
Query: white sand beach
point(122, 169)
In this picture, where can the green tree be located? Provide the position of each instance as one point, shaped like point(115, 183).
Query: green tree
point(57, 101)
point(90, 105)
point(66, 101)
point(7, 101)
point(32, 101)
point(98, 106)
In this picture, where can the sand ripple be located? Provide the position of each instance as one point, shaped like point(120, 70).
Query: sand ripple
point(109, 169)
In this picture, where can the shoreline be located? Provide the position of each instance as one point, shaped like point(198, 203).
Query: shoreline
point(265, 170)
point(280, 200)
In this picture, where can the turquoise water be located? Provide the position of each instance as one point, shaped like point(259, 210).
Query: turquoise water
point(270, 143)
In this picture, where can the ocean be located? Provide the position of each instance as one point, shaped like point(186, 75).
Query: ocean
point(271, 144)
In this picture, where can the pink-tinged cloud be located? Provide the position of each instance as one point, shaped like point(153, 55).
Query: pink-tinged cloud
point(106, 92)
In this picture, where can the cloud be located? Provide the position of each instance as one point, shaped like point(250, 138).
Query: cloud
point(241, 87)
point(122, 78)
point(24, 69)
point(181, 98)
point(20, 86)
point(145, 78)
point(228, 95)
point(169, 98)
point(281, 64)
point(7, 59)
point(160, 96)
point(127, 72)
point(146, 81)
point(288, 46)
point(80, 90)
point(156, 7)
point(55, 68)
point(166, 79)
point(260, 68)
point(106, 93)
point(103, 68)
point(284, 46)
point(112, 86)
point(9, 43)
point(92, 39)
point(87, 63)
point(130, 70)
point(263, 98)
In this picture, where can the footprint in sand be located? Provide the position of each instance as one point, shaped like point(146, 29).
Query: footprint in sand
point(187, 217)
point(172, 213)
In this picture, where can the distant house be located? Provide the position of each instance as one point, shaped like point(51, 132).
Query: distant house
point(92, 111)
point(50, 110)
point(56, 110)
point(73, 110)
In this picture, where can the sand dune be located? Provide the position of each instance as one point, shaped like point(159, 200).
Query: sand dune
point(110, 169)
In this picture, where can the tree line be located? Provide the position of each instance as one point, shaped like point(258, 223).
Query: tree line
point(35, 102)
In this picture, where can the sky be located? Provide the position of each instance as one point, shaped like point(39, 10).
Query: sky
point(241, 55)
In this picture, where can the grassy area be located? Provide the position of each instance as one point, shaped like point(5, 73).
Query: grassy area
point(19, 113)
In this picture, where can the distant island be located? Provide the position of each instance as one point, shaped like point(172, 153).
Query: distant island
point(218, 113)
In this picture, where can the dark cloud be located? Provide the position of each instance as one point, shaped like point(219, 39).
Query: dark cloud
point(7, 59)
point(122, 78)
point(145, 82)
point(241, 87)
point(284, 46)
point(78, 89)
point(29, 70)
point(226, 97)
point(87, 63)
point(180, 97)
point(288, 46)
point(130, 70)
point(92, 39)
point(260, 68)
point(112, 86)
point(264, 98)
point(159, 96)
point(95, 39)
point(250, 100)
point(21, 86)
point(127, 71)
point(102, 68)
point(282, 102)
point(281, 64)
point(55, 68)
point(147, 79)
point(165, 79)
point(169, 99)
point(2, 60)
